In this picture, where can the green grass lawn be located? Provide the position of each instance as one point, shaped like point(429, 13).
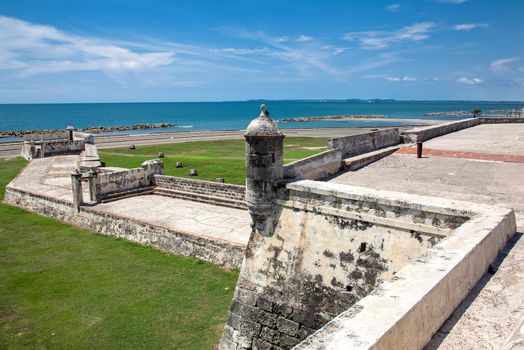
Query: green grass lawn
point(67, 288)
point(212, 159)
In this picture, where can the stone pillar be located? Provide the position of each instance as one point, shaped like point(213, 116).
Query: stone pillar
point(94, 195)
point(264, 166)
point(76, 183)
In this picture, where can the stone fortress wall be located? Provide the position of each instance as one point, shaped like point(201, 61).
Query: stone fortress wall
point(40, 145)
point(319, 250)
point(323, 260)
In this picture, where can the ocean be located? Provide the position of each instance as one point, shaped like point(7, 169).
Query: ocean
point(225, 115)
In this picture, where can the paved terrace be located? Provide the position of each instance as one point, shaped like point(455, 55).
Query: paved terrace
point(483, 164)
point(51, 177)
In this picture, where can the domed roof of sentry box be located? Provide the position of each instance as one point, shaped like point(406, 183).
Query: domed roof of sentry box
point(263, 125)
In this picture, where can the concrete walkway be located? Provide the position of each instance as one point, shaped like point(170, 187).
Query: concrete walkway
point(51, 177)
point(493, 308)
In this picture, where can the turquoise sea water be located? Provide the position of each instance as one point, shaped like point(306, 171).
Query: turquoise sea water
point(223, 115)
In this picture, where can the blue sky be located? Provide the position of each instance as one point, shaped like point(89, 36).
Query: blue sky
point(119, 51)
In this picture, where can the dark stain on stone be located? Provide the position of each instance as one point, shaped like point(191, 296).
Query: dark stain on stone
point(355, 274)
point(434, 240)
point(416, 235)
point(342, 224)
point(346, 256)
point(336, 283)
point(328, 254)
point(380, 212)
point(362, 247)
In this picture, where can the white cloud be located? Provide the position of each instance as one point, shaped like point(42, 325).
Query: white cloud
point(453, 1)
point(35, 49)
point(503, 63)
point(469, 26)
point(304, 38)
point(470, 81)
point(404, 78)
point(383, 39)
point(393, 7)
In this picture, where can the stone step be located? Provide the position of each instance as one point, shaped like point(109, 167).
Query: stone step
point(362, 160)
point(197, 197)
point(127, 194)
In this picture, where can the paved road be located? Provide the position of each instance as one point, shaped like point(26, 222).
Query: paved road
point(11, 149)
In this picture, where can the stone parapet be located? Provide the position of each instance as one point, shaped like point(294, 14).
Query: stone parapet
point(316, 167)
point(422, 134)
point(367, 142)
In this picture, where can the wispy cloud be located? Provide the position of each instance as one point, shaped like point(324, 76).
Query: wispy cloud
point(384, 39)
point(521, 69)
point(404, 78)
point(303, 38)
point(35, 49)
point(470, 81)
point(469, 26)
point(503, 63)
point(393, 7)
point(452, 1)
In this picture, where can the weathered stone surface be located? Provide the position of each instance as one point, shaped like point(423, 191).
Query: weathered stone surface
point(245, 296)
point(287, 326)
point(264, 303)
point(366, 142)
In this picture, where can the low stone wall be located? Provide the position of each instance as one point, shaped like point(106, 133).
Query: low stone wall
point(316, 167)
point(422, 134)
point(37, 136)
point(177, 242)
point(207, 188)
point(362, 143)
point(486, 120)
point(130, 179)
point(332, 245)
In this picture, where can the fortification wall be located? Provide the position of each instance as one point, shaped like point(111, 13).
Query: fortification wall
point(367, 142)
point(207, 188)
point(428, 132)
point(37, 136)
point(486, 120)
point(425, 292)
point(60, 147)
point(130, 179)
point(331, 247)
point(177, 242)
point(316, 167)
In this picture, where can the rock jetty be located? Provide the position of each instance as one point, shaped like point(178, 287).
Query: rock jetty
point(91, 130)
point(331, 117)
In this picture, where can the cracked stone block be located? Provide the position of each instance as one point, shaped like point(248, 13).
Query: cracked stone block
point(259, 344)
point(234, 321)
point(245, 296)
point(270, 335)
point(288, 342)
point(287, 326)
point(264, 304)
point(283, 310)
point(249, 329)
point(305, 332)
point(236, 307)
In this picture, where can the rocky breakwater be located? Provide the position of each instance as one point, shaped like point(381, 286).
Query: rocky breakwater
point(332, 117)
point(91, 130)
